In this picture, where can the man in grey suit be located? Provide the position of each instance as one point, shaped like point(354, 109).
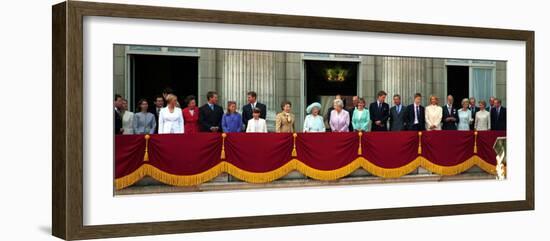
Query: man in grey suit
point(397, 115)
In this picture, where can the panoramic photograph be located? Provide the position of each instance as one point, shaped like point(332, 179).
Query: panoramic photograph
point(192, 119)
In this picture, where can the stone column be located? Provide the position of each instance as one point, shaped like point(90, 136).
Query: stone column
point(293, 87)
point(439, 82)
point(119, 73)
point(500, 80)
point(368, 80)
point(207, 74)
point(402, 75)
point(240, 71)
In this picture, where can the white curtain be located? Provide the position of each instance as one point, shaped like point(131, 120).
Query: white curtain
point(482, 83)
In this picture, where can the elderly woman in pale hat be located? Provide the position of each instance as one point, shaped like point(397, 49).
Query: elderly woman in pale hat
point(314, 121)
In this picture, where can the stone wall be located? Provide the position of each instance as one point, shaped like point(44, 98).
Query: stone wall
point(278, 76)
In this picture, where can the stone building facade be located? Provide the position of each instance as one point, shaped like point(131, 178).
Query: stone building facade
point(278, 76)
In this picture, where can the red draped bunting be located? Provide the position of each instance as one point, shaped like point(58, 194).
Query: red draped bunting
point(194, 158)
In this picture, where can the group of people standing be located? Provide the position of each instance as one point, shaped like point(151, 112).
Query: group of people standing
point(415, 117)
point(166, 116)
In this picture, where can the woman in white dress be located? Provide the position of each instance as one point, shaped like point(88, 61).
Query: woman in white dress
point(483, 118)
point(464, 116)
point(434, 113)
point(256, 124)
point(171, 117)
point(127, 119)
point(314, 122)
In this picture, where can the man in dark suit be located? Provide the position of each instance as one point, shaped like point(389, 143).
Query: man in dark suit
point(118, 102)
point(450, 115)
point(473, 109)
point(155, 110)
point(379, 112)
point(248, 108)
point(415, 116)
point(498, 116)
point(397, 115)
point(210, 114)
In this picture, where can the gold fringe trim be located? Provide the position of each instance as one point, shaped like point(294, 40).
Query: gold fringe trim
point(331, 175)
point(295, 164)
point(222, 155)
point(261, 177)
point(419, 142)
point(167, 178)
point(146, 155)
point(475, 142)
point(390, 172)
point(360, 150)
point(459, 168)
point(294, 153)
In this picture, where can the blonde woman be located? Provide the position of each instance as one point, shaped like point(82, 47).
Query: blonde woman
point(284, 121)
point(171, 117)
point(361, 116)
point(464, 116)
point(483, 118)
point(434, 113)
point(127, 119)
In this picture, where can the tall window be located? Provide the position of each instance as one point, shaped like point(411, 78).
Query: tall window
point(482, 83)
point(481, 78)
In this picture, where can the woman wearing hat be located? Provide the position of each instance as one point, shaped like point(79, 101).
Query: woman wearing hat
point(314, 122)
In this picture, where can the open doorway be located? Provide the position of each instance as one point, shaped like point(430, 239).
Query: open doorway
point(325, 79)
point(151, 74)
point(458, 78)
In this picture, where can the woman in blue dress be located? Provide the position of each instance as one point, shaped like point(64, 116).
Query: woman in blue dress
point(232, 120)
point(314, 121)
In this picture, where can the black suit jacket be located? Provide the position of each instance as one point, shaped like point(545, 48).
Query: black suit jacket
point(153, 110)
point(379, 114)
point(409, 118)
point(498, 122)
point(118, 122)
point(209, 118)
point(449, 125)
point(397, 120)
point(247, 112)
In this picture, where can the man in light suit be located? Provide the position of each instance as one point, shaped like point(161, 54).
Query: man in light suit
point(397, 115)
point(415, 117)
point(379, 112)
point(210, 114)
point(498, 116)
point(248, 109)
point(450, 115)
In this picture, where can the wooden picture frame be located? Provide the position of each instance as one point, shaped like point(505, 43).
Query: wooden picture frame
point(67, 123)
